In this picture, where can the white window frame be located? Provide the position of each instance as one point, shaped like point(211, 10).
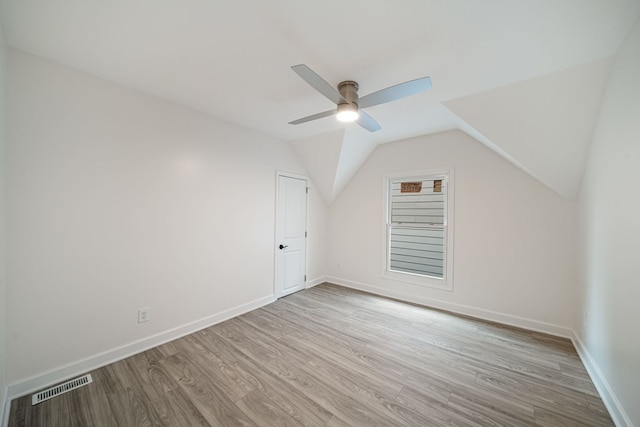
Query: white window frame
point(446, 282)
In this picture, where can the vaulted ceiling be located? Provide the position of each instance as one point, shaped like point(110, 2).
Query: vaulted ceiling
point(525, 78)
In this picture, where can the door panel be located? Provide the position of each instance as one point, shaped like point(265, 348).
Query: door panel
point(292, 263)
point(291, 224)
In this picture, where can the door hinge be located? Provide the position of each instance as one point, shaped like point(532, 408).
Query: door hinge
point(307, 190)
point(305, 277)
point(305, 234)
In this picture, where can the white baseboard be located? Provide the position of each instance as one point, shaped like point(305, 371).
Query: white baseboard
point(315, 282)
point(82, 366)
point(617, 412)
point(494, 316)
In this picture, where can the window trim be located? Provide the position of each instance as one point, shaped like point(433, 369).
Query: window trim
point(445, 283)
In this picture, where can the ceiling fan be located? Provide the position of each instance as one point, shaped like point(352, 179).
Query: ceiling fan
point(346, 97)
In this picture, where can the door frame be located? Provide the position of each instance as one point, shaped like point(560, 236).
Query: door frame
point(305, 178)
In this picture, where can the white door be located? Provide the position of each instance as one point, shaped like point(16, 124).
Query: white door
point(291, 228)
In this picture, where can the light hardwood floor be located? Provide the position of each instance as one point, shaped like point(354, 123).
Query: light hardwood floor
point(330, 356)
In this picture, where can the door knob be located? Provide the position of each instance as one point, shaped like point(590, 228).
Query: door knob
point(283, 246)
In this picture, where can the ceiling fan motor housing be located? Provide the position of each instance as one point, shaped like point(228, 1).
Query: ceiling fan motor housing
point(349, 91)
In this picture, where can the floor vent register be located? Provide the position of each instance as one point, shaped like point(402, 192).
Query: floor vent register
point(61, 389)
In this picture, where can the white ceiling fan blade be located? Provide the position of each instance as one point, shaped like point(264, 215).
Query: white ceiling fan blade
point(313, 117)
point(367, 122)
point(395, 92)
point(318, 83)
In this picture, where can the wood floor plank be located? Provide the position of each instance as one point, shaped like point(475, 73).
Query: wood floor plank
point(264, 412)
point(214, 406)
point(48, 412)
point(297, 405)
point(438, 413)
point(224, 374)
point(175, 409)
point(287, 367)
point(87, 406)
point(337, 422)
point(549, 396)
point(130, 408)
point(487, 411)
point(19, 412)
point(332, 364)
point(335, 357)
point(547, 418)
point(145, 370)
point(358, 360)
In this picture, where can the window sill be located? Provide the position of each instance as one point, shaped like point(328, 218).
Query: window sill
point(416, 279)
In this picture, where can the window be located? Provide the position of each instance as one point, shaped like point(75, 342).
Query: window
point(419, 228)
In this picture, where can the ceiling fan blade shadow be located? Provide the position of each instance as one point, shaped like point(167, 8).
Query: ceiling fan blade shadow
point(318, 83)
point(392, 93)
point(367, 122)
point(313, 117)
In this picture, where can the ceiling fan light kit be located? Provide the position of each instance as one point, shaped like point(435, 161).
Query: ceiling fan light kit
point(346, 97)
point(347, 112)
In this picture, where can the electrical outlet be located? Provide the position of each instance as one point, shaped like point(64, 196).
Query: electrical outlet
point(339, 266)
point(144, 314)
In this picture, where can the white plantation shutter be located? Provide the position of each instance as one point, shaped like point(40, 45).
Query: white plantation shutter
point(417, 251)
point(417, 226)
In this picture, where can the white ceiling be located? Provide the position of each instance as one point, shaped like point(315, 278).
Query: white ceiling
point(231, 59)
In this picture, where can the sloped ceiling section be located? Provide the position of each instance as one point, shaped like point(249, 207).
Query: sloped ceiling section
point(543, 125)
point(320, 155)
point(333, 158)
point(501, 70)
point(356, 148)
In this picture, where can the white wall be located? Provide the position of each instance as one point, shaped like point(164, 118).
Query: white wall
point(317, 222)
point(117, 200)
point(514, 238)
point(610, 240)
point(3, 68)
